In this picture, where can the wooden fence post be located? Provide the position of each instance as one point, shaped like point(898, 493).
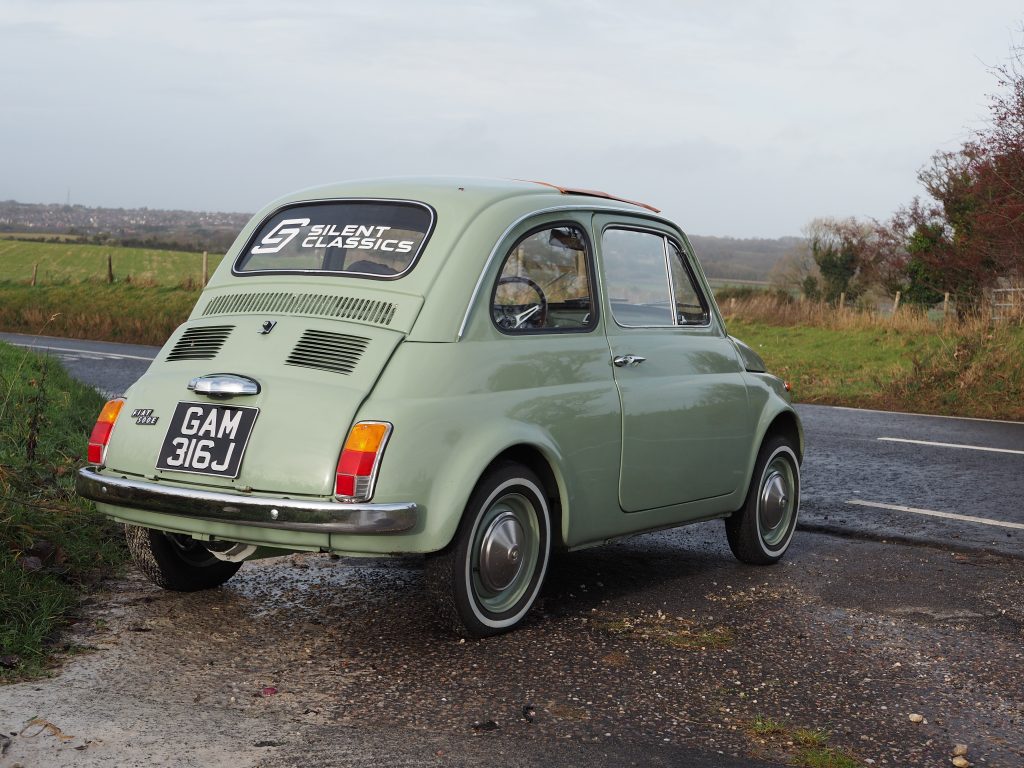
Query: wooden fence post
point(206, 268)
point(110, 269)
point(896, 303)
point(945, 305)
point(842, 300)
point(35, 272)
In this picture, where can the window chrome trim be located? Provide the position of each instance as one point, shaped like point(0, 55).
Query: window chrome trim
point(666, 239)
point(668, 280)
point(691, 276)
point(593, 315)
point(247, 248)
point(541, 212)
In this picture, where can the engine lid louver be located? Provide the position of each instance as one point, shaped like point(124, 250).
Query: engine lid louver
point(200, 342)
point(371, 311)
point(336, 352)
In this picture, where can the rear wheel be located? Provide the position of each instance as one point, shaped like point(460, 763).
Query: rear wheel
point(760, 532)
point(487, 580)
point(175, 561)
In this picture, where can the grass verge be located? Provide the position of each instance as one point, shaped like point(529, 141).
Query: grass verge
point(970, 369)
point(54, 546)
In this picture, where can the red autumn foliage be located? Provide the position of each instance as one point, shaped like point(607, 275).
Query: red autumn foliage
point(970, 235)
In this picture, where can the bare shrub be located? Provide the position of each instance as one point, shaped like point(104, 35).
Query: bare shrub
point(773, 309)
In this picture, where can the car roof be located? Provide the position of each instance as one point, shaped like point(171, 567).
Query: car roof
point(476, 192)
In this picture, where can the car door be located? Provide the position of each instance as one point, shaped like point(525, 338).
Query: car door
point(686, 423)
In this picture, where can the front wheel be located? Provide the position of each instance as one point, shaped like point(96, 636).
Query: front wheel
point(761, 530)
point(487, 580)
point(175, 561)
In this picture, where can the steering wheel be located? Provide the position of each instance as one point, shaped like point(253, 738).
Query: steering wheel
point(533, 314)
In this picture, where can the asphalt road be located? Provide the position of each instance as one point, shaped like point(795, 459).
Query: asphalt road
point(658, 650)
point(924, 478)
point(111, 368)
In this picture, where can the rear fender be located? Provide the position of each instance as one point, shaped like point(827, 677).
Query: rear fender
point(468, 462)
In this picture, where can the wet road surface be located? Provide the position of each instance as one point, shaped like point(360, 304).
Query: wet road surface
point(891, 475)
point(658, 650)
point(661, 650)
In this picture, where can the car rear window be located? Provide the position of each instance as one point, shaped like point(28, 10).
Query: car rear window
point(365, 238)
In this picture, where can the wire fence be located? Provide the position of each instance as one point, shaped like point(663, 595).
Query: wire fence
point(1007, 305)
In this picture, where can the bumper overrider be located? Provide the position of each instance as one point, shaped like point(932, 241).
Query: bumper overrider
point(241, 509)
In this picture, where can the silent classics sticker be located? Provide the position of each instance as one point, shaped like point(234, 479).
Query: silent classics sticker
point(352, 236)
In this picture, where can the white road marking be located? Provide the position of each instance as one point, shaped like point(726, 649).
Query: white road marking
point(103, 355)
point(950, 445)
point(933, 513)
point(72, 356)
point(904, 413)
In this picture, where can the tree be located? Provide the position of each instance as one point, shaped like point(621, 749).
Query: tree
point(843, 251)
point(920, 241)
point(970, 235)
point(924, 284)
point(797, 271)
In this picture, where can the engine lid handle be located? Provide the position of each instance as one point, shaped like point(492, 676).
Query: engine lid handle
point(224, 385)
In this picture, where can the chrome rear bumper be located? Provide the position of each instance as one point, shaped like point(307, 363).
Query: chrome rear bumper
point(264, 512)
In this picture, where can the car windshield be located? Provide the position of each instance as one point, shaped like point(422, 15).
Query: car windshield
point(367, 238)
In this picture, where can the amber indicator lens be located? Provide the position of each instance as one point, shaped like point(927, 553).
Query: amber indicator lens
point(101, 431)
point(359, 459)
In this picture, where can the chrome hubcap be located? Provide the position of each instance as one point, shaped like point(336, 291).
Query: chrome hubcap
point(777, 502)
point(505, 553)
point(774, 500)
point(501, 556)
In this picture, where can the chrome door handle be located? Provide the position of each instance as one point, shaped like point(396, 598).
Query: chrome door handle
point(621, 361)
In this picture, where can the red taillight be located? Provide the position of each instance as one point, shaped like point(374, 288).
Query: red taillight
point(357, 465)
point(101, 432)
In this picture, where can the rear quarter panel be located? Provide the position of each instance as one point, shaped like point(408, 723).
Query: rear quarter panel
point(457, 406)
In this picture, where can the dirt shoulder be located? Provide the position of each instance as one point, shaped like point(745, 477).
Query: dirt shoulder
point(652, 651)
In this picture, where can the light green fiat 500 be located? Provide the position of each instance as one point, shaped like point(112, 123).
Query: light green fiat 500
point(477, 371)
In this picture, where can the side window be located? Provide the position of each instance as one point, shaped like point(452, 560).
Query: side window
point(544, 283)
point(648, 281)
point(634, 264)
point(691, 309)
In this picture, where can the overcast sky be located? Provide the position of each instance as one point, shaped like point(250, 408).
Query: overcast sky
point(739, 118)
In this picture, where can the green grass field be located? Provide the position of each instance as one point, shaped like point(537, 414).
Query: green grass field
point(120, 312)
point(823, 362)
point(970, 371)
point(62, 263)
